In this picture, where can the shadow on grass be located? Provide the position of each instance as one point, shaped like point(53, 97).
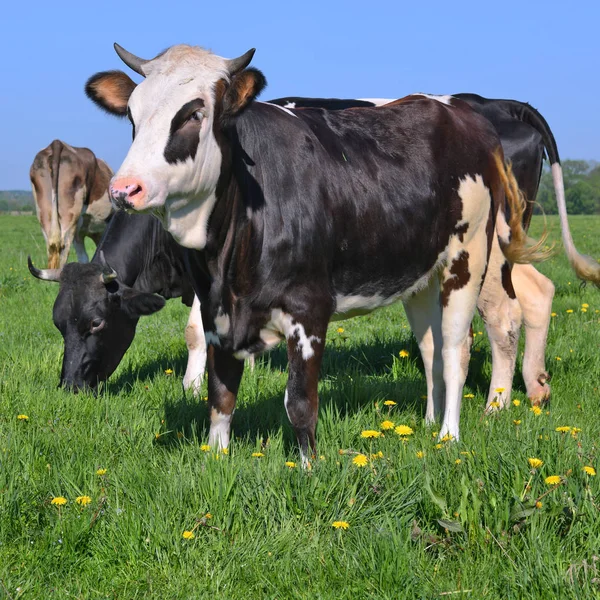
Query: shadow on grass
point(349, 375)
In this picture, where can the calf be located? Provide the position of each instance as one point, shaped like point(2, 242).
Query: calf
point(99, 304)
point(71, 199)
point(309, 215)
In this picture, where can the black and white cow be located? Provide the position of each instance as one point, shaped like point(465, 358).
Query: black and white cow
point(308, 215)
point(525, 137)
point(99, 304)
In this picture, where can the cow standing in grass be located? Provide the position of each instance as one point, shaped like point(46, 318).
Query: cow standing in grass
point(304, 216)
point(525, 137)
point(71, 199)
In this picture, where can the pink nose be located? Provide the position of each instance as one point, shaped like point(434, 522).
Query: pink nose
point(127, 192)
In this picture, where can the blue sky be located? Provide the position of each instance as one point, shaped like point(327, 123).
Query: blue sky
point(546, 53)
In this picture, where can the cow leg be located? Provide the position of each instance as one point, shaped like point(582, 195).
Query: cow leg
point(534, 292)
point(196, 345)
point(501, 312)
point(224, 376)
point(305, 353)
point(79, 245)
point(425, 317)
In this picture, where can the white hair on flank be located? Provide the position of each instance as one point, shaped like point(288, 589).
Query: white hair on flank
point(283, 108)
point(376, 101)
point(444, 99)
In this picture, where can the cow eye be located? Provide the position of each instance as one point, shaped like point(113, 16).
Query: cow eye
point(197, 116)
point(97, 325)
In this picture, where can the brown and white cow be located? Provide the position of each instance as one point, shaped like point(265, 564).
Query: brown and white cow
point(71, 199)
point(307, 216)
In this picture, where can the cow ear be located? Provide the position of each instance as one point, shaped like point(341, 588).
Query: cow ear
point(110, 90)
point(242, 89)
point(138, 304)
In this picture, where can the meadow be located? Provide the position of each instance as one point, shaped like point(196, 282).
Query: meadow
point(117, 496)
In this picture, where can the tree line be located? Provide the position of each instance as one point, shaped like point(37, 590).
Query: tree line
point(582, 191)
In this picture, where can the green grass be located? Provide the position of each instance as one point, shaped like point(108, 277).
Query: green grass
point(419, 527)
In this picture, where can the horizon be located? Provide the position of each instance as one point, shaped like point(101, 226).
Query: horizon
point(387, 51)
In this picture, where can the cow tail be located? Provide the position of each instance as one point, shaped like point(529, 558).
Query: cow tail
point(516, 245)
point(54, 239)
point(585, 267)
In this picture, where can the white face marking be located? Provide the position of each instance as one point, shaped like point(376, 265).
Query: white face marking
point(185, 189)
point(283, 108)
point(443, 99)
point(290, 105)
point(283, 324)
point(376, 101)
point(220, 425)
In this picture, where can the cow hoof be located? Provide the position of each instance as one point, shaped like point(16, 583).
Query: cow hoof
point(539, 393)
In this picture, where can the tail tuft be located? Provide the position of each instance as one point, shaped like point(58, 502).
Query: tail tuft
point(516, 245)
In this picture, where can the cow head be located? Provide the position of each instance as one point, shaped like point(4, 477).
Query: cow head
point(176, 112)
point(97, 315)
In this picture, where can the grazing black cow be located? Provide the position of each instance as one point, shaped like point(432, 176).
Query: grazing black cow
point(310, 214)
point(525, 137)
point(99, 303)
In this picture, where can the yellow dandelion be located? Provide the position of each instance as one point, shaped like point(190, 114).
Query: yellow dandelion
point(340, 330)
point(205, 448)
point(494, 404)
point(23, 417)
point(257, 455)
point(563, 429)
point(517, 421)
point(457, 461)
point(535, 463)
point(188, 535)
point(553, 314)
point(403, 430)
point(290, 464)
point(499, 390)
point(83, 500)
point(322, 457)
point(584, 310)
point(225, 450)
point(208, 516)
point(447, 438)
point(469, 396)
point(340, 524)
point(389, 403)
point(403, 354)
point(387, 425)
point(569, 310)
point(58, 501)
point(558, 358)
point(516, 403)
point(439, 446)
point(536, 410)
point(590, 471)
point(553, 480)
point(360, 460)
point(370, 433)
point(585, 305)
point(538, 504)
point(377, 455)
point(420, 454)
point(101, 472)
point(168, 371)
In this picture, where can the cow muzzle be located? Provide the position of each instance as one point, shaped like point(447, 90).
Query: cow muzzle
point(128, 193)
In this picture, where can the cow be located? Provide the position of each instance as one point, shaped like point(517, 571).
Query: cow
point(525, 137)
point(70, 188)
point(99, 303)
point(307, 215)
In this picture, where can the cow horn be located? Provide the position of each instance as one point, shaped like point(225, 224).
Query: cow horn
point(44, 274)
point(131, 60)
point(108, 273)
point(241, 62)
